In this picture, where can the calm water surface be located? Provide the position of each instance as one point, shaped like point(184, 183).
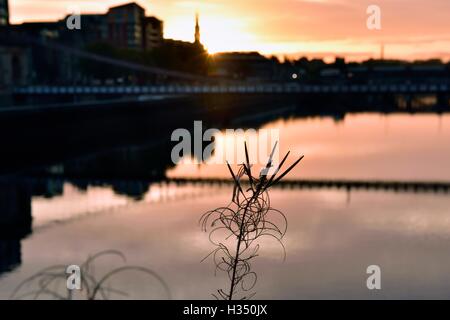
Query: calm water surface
point(362, 146)
point(333, 235)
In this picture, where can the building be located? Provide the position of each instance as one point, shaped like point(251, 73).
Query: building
point(14, 66)
point(42, 30)
point(197, 31)
point(24, 60)
point(186, 44)
point(128, 27)
point(94, 28)
point(125, 26)
point(4, 13)
point(153, 33)
point(45, 65)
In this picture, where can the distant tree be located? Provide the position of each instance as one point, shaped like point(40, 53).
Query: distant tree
point(181, 56)
point(429, 62)
point(172, 55)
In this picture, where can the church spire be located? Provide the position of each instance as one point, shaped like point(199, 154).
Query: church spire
point(197, 29)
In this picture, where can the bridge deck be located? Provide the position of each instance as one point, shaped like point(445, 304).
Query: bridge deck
point(392, 186)
point(400, 186)
point(235, 89)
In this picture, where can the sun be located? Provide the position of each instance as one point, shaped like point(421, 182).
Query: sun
point(217, 33)
point(224, 34)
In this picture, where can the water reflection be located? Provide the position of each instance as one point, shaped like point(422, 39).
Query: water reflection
point(362, 146)
point(329, 244)
point(52, 282)
point(28, 204)
point(15, 222)
point(130, 180)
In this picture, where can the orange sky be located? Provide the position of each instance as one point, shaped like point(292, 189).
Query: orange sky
point(411, 29)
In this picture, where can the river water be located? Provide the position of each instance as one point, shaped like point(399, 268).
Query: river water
point(333, 235)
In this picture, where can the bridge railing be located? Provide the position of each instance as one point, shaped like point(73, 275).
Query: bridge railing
point(235, 89)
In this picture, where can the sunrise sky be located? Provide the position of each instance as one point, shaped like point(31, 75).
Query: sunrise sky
point(411, 29)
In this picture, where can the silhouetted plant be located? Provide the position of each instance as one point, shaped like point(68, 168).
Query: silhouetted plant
point(247, 218)
point(51, 281)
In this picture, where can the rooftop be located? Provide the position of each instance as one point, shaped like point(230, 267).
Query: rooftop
point(131, 4)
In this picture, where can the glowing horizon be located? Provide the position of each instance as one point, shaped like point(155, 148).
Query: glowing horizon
point(414, 29)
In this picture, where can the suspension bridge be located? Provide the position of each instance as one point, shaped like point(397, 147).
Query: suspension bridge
point(191, 84)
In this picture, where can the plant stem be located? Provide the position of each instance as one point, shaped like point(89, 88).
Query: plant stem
point(238, 248)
